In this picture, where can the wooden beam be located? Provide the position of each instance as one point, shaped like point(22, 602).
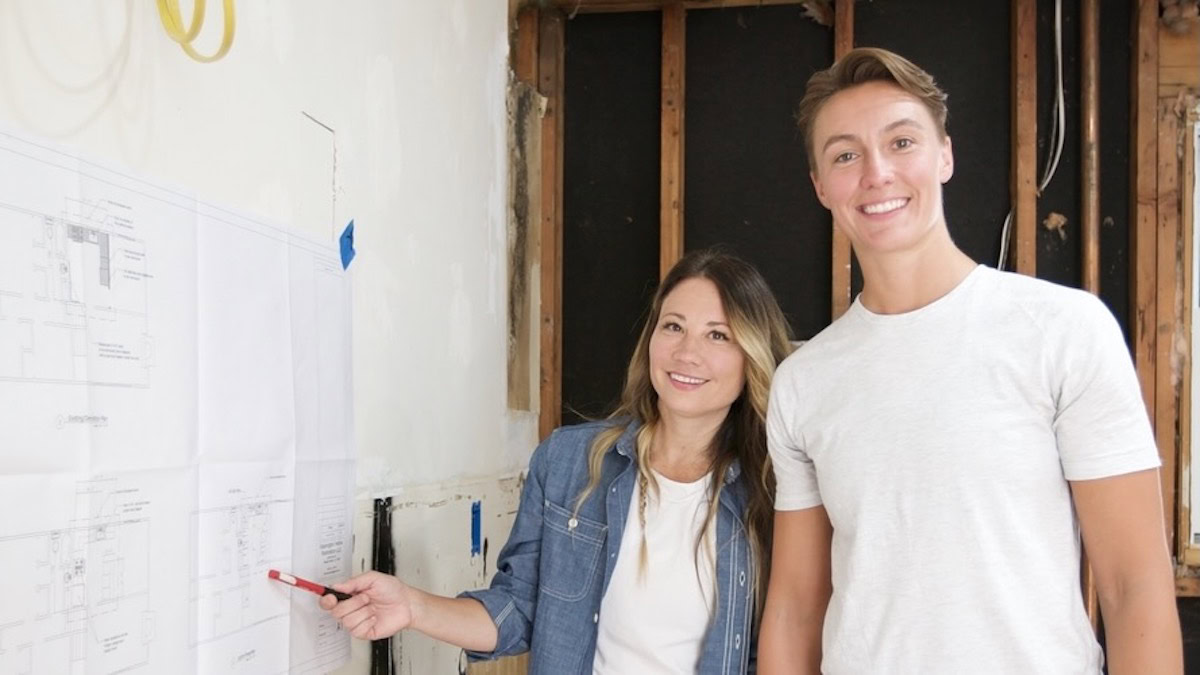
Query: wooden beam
point(843, 42)
point(1143, 177)
point(525, 51)
point(1166, 409)
point(524, 161)
point(1187, 586)
point(1023, 179)
point(1089, 29)
point(674, 24)
point(1183, 519)
point(551, 49)
point(571, 7)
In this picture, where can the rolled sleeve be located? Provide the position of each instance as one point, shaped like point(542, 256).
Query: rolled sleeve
point(511, 599)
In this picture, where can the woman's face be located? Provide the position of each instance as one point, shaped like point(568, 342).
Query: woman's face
point(696, 368)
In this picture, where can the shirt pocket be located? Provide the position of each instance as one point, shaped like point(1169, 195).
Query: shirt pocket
point(571, 547)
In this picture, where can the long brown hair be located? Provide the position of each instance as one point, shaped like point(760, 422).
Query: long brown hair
point(760, 330)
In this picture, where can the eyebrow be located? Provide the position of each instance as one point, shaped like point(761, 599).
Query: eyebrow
point(902, 122)
point(710, 323)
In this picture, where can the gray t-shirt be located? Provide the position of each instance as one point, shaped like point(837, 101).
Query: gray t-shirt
point(940, 442)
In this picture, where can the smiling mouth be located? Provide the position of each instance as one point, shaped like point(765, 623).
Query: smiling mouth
point(884, 207)
point(684, 379)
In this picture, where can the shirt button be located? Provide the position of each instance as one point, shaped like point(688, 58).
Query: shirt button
point(737, 641)
point(572, 523)
point(596, 618)
point(742, 578)
point(614, 489)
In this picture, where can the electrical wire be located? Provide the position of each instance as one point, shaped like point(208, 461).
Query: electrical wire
point(1058, 133)
point(172, 20)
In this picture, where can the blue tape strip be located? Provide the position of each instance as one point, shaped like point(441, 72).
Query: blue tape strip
point(347, 244)
point(475, 526)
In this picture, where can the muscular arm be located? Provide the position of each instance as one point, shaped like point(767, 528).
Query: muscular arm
point(1122, 525)
point(798, 592)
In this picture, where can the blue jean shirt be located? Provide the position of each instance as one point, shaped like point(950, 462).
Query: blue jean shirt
point(553, 572)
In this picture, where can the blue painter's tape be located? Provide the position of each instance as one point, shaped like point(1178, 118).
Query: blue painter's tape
point(475, 526)
point(347, 243)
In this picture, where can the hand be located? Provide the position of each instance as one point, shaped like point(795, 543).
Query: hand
point(381, 606)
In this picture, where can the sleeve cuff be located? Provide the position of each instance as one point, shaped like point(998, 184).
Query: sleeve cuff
point(499, 606)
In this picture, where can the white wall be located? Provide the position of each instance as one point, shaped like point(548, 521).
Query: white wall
point(414, 91)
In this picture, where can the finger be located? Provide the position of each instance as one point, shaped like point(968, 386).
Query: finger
point(328, 602)
point(358, 583)
point(345, 607)
point(355, 619)
point(364, 630)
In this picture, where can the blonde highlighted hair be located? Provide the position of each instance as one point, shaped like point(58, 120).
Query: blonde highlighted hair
point(860, 66)
point(758, 327)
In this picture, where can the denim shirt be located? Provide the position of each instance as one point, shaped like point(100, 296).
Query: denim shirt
point(553, 572)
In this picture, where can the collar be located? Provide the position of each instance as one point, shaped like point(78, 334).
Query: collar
point(625, 446)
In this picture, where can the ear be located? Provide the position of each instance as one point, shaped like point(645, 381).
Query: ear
point(818, 188)
point(946, 162)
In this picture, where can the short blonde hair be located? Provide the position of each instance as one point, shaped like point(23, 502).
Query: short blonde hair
point(862, 65)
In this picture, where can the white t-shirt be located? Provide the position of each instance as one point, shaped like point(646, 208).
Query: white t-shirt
point(940, 442)
point(656, 622)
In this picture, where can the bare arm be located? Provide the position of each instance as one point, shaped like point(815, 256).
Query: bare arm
point(798, 593)
point(383, 605)
point(1122, 524)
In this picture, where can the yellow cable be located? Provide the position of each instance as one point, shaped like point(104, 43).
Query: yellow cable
point(168, 10)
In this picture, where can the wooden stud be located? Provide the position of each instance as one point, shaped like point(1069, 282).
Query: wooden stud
point(1187, 587)
point(1090, 143)
point(1143, 176)
point(674, 24)
point(600, 6)
point(1183, 520)
point(1023, 186)
point(525, 51)
point(524, 159)
point(843, 42)
point(1165, 402)
point(551, 50)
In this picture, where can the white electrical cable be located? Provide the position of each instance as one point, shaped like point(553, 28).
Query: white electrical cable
point(1058, 132)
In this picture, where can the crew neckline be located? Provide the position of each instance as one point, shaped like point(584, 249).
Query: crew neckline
point(972, 278)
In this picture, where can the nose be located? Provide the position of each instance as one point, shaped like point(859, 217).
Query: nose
point(877, 170)
point(687, 348)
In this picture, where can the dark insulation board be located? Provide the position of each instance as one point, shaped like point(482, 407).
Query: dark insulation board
point(746, 176)
point(610, 200)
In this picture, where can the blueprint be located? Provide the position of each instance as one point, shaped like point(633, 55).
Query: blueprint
point(175, 420)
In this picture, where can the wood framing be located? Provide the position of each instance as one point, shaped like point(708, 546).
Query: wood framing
point(843, 41)
point(1166, 410)
point(1089, 149)
point(523, 194)
point(1187, 553)
point(594, 6)
point(551, 49)
point(674, 23)
point(1023, 179)
point(1143, 177)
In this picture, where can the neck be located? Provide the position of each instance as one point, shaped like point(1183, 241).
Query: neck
point(902, 281)
point(681, 449)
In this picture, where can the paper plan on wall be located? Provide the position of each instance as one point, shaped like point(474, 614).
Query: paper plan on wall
point(175, 419)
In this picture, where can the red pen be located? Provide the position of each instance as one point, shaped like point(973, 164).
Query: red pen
point(306, 585)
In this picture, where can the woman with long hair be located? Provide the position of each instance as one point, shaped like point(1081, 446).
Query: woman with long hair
point(642, 541)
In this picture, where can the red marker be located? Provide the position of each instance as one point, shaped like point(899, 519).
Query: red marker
point(306, 585)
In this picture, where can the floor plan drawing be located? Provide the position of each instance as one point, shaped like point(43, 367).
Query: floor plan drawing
point(73, 296)
point(87, 598)
point(167, 367)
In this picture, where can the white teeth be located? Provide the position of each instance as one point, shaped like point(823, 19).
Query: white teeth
point(685, 379)
point(884, 207)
